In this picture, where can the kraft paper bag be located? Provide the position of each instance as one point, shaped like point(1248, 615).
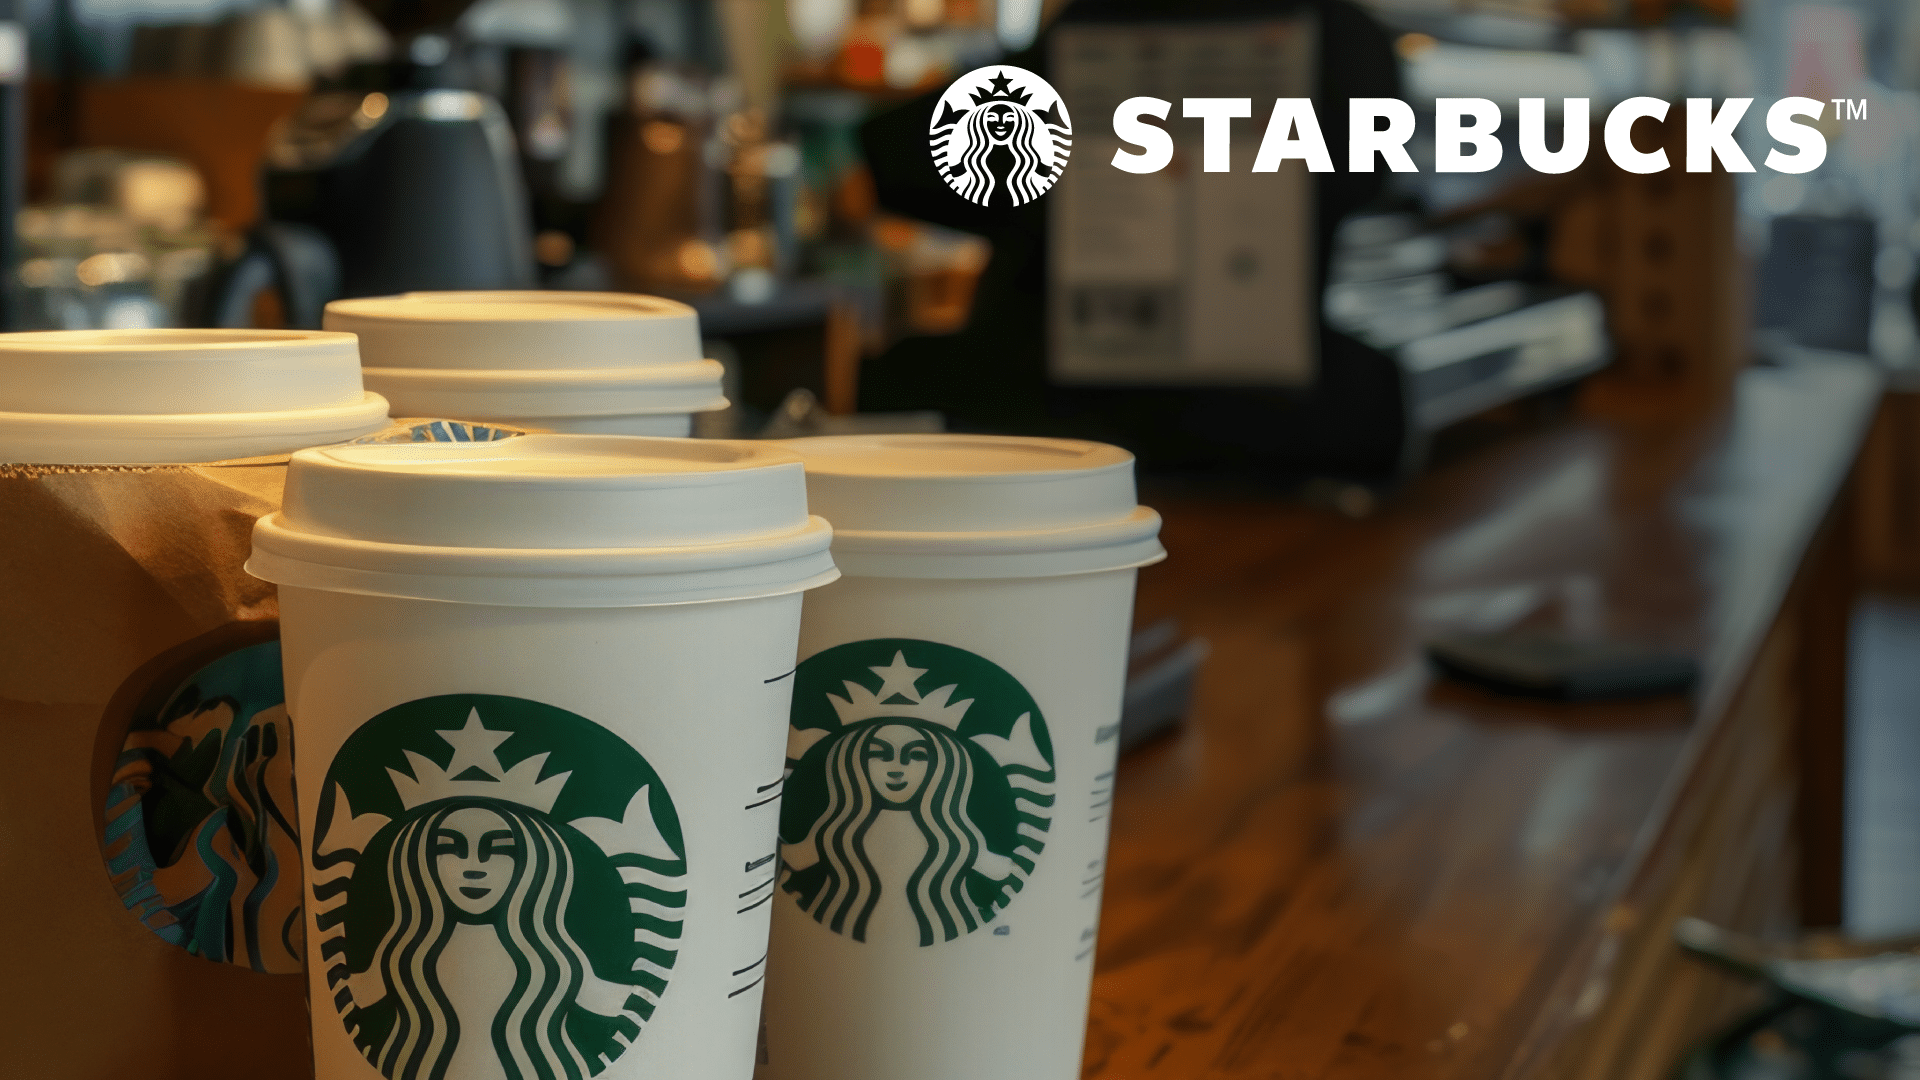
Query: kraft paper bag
point(122, 595)
point(150, 862)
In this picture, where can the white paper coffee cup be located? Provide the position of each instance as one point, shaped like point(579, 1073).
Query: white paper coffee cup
point(584, 363)
point(955, 725)
point(538, 692)
point(149, 397)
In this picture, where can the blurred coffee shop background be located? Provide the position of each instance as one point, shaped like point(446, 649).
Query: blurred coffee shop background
point(1398, 422)
point(200, 162)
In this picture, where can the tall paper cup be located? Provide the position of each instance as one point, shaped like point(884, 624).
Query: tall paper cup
point(955, 723)
point(586, 363)
point(537, 690)
point(150, 397)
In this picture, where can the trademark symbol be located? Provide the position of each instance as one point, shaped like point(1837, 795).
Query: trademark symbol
point(1849, 108)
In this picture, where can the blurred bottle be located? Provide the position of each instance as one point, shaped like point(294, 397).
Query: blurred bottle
point(760, 207)
point(931, 273)
point(539, 101)
point(13, 153)
point(648, 227)
point(701, 190)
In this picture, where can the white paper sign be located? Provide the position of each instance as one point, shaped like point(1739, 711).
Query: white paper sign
point(1182, 277)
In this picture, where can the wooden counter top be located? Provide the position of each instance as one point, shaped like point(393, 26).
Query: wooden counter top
point(1340, 868)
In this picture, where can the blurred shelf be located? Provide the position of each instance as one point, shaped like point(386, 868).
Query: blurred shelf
point(817, 80)
point(793, 305)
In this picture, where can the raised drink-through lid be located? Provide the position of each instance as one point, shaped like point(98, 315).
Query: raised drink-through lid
point(518, 330)
point(169, 396)
point(522, 356)
point(547, 521)
point(977, 506)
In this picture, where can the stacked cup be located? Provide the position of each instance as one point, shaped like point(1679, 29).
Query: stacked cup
point(586, 363)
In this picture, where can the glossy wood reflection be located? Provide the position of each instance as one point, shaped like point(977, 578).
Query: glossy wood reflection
point(1340, 868)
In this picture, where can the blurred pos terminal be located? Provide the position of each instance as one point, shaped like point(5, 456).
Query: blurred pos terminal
point(1184, 313)
point(1174, 313)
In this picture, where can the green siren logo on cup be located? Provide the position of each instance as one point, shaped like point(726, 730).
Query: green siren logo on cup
point(498, 888)
point(909, 815)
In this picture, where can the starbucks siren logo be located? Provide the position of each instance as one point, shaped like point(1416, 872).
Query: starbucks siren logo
point(498, 890)
point(910, 816)
point(200, 839)
point(1000, 136)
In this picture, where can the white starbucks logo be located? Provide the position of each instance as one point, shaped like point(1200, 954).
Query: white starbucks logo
point(498, 887)
point(1001, 136)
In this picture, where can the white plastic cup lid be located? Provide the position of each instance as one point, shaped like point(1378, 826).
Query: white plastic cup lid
point(547, 521)
point(977, 506)
point(518, 330)
point(176, 372)
point(513, 356)
point(170, 396)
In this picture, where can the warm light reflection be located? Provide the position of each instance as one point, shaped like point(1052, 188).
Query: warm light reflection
point(1412, 45)
point(697, 261)
point(111, 267)
point(663, 137)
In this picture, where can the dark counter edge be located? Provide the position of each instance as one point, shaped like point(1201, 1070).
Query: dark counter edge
point(1851, 398)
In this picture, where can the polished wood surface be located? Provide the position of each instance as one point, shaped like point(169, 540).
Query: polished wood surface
point(1342, 868)
point(1887, 499)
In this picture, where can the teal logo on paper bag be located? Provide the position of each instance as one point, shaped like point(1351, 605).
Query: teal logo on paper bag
point(921, 791)
point(498, 888)
point(200, 835)
point(200, 839)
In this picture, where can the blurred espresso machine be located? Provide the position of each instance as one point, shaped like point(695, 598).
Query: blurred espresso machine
point(376, 191)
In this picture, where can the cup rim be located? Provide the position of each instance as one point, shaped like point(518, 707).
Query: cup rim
point(743, 569)
point(1095, 457)
point(163, 340)
point(720, 460)
point(593, 307)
